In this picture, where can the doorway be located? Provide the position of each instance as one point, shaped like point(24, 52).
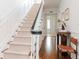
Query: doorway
point(50, 24)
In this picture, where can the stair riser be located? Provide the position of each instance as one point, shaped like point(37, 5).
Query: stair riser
point(15, 56)
point(27, 35)
point(19, 47)
point(26, 25)
point(24, 29)
point(23, 34)
point(28, 22)
point(23, 40)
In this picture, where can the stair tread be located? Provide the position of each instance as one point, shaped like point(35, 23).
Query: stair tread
point(29, 19)
point(22, 40)
point(27, 22)
point(23, 30)
point(23, 37)
point(23, 27)
point(23, 34)
point(27, 28)
point(20, 43)
point(26, 52)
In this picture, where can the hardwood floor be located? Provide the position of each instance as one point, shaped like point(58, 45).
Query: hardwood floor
point(50, 56)
point(43, 51)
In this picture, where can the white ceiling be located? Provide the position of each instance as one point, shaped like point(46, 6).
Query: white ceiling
point(51, 3)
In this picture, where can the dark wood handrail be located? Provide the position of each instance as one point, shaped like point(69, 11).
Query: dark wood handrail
point(36, 32)
point(36, 17)
point(32, 28)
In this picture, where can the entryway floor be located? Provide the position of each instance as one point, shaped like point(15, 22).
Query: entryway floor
point(43, 50)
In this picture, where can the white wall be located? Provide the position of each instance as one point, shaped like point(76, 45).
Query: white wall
point(12, 13)
point(73, 23)
point(74, 15)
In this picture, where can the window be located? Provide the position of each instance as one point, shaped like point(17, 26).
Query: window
point(48, 22)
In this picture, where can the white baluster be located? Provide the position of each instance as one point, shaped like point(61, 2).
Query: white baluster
point(37, 47)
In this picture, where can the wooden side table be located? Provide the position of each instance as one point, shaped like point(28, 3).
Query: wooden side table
point(65, 40)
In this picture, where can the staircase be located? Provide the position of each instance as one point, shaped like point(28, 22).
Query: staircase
point(20, 47)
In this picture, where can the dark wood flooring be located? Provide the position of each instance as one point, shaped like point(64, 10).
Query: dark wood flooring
point(43, 53)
